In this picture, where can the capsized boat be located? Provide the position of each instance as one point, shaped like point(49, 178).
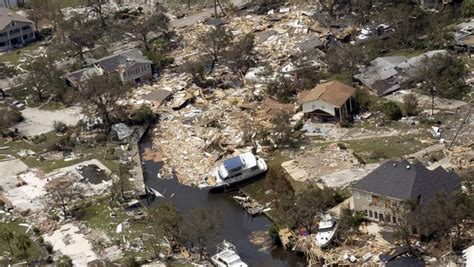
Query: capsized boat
point(227, 256)
point(234, 170)
point(326, 232)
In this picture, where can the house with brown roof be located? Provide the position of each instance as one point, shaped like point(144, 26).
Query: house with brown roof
point(328, 101)
point(15, 30)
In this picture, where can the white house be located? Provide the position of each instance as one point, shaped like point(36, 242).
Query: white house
point(328, 100)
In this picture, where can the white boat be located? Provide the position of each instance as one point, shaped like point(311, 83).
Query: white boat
point(227, 256)
point(326, 232)
point(234, 170)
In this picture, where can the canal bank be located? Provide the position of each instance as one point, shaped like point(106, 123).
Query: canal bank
point(236, 225)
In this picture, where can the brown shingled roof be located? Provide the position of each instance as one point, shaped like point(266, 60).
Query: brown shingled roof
point(7, 16)
point(333, 92)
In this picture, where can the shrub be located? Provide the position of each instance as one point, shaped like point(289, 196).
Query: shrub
point(40, 240)
point(391, 110)
point(358, 157)
point(49, 260)
point(60, 127)
point(410, 105)
point(36, 230)
point(365, 101)
point(48, 247)
point(38, 139)
point(298, 125)
point(143, 115)
point(273, 232)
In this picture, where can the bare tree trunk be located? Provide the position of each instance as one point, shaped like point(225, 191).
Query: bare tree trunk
point(215, 8)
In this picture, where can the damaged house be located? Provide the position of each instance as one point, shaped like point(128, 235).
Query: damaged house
point(328, 101)
point(380, 194)
point(385, 75)
point(131, 65)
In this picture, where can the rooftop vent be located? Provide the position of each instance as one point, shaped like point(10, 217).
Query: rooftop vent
point(408, 167)
point(394, 164)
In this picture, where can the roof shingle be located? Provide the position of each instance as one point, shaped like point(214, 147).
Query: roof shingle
point(333, 92)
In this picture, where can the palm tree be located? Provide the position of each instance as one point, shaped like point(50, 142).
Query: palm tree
point(7, 236)
point(23, 243)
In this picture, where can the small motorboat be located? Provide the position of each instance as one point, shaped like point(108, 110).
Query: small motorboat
point(235, 170)
point(227, 256)
point(326, 232)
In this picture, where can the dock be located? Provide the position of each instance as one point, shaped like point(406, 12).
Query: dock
point(250, 205)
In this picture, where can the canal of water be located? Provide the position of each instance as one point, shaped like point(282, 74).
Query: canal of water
point(236, 225)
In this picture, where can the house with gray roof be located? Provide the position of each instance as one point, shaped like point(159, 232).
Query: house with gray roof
point(464, 36)
point(131, 65)
point(382, 192)
point(385, 75)
point(15, 30)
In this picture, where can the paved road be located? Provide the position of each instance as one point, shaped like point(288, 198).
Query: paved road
point(203, 15)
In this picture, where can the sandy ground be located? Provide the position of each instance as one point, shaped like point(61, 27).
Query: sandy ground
point(42, 121)
point(69, 241)
point(11, 168)
point(425, 100)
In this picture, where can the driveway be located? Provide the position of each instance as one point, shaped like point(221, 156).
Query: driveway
point(39, 121)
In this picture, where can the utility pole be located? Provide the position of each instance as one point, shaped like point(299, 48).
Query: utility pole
point(459, 129)
point(433, 91)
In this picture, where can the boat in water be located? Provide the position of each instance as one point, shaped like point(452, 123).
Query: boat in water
point(326, 232)
point(235, 170)
point(227, 256)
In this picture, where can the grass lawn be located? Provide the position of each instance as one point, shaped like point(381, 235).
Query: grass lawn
point(14, 147)
point(34, 252)
point(14, 56)
point(406, 53)
point(343, 77)
point(98, 216)
point(393, 147)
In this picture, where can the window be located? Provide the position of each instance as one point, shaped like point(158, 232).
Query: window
point(394, 220)
point(24, 28)
point(370, 214)
point(13, 23)
point(356, 194)
point(369, 198)
point(381, 216)
point(3, 34)
point(2, 44)
point(15, 31)
point(376, 215)
point(366, 213)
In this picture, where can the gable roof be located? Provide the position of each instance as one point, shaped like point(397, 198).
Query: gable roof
point(333, 92)
point(7, 16)
point(403, 180)
point(126, 58)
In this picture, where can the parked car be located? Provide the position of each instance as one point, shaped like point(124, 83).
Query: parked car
point(19, 104)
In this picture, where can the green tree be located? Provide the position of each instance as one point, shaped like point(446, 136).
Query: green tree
point(467, 8)
point(144, 115)
point(44, 78)
point(307, 205)
point(442, 75)
point(63, 191)
point(102, 92)
point(166, 224)
point(65, 261)
point(201, 226)
point(392, 110)
point(214, 42)
point(7, 236)
point(141, 27)
point(23, 244)
point(82, 33)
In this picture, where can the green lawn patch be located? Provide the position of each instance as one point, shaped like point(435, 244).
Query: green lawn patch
point(14, 56)
point(404, 52)
point(392, 147)
point(343, 77)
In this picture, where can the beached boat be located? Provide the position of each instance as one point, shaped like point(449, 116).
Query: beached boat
point(235, 170)
point(227, 256)
point(326, 232)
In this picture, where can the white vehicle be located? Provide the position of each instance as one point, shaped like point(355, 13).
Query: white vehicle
point(234, 170)
point(326, 232)
point(227, 256)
